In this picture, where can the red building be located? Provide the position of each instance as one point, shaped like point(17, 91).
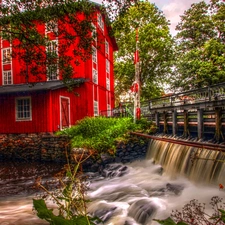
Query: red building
point(28, 106)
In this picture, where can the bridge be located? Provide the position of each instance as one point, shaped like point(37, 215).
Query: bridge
point(196, 113)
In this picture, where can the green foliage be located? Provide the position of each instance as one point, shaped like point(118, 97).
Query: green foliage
point(200, 46)
point(155, 48)
point(69, 199)
point(101, 133)
point(18, 25)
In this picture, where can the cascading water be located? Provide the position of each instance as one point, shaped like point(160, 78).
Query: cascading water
point(197, 164)
point(135, 193)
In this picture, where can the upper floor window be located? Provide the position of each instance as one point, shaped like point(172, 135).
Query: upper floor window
point(52, 60)
point(52, 48)
point(107, 83)
point(100, 22)
point(107, 48)
point(95, 76)
point(7, 77)
point(51, 26)
point(23, 108)
point(6, 55)
point(94, 32)
point(107, 66)
point(94, 55)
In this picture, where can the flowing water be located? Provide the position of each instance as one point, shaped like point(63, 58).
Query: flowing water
point(131, 194)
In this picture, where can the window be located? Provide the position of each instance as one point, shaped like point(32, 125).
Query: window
point(7, 77)
point(95, 76)
point(95, 108)
point(51, 26)
point(94, 55)
point(6, 55)
point(107, 83)
point(94, 32)
point(23, 108)
point(107, 66)
point(100, 22)
point(52, 60)
point(52, 48)
point(107, 48)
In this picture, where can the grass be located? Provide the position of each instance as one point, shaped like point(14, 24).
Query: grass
point(101, 133)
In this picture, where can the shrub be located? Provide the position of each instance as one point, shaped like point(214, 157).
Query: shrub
point(101, 133)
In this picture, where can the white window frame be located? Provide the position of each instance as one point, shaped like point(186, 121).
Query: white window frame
point(106, 47)
point(94, 32)
point(107, 83)
point(22, 115)
point(53, 48)
point(107, 66)
point(94, 76)
point(6, 55)
point(7, 77)
point(94, 55)
point(100, 21)
point(96, 110)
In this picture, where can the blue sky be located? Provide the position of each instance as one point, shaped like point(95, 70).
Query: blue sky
point(172, 9)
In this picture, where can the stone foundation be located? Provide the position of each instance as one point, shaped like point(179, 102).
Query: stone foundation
point(33, 147)
point(50, 148)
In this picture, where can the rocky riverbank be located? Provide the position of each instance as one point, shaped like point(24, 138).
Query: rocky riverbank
point(50, 148)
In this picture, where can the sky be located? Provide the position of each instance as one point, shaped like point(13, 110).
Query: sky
point(172, 9)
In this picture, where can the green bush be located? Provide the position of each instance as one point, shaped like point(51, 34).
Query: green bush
point(101, 133)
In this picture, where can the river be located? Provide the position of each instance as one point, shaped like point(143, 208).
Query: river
point(131, 194)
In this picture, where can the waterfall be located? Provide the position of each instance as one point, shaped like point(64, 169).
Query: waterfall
point(132, 194)
point(197, 164)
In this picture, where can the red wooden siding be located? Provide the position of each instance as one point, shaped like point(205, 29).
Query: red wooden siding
point(57, 108)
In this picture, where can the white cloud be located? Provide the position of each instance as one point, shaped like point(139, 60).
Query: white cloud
point(173, 9)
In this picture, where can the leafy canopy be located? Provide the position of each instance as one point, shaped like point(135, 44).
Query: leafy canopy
point(155, 48)
point(200, 52)
point(19, 25)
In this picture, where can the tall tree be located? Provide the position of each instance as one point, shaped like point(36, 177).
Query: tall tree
point(18, 24)
point(155, 48)
point(200, 46)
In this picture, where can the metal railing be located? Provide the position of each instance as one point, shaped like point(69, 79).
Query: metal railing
point(207, 94)
point(188, 98)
